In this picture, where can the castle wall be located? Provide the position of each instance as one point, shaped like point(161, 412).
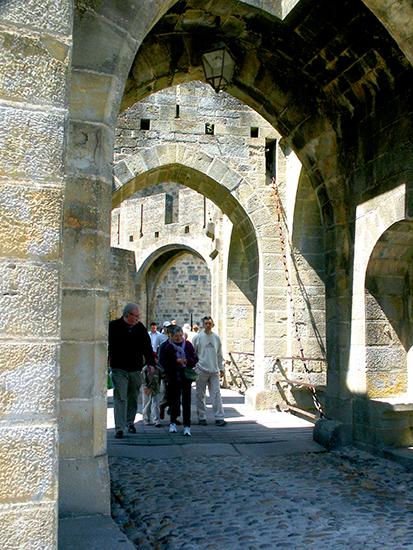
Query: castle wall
point(122, 281)
point(184, 289)
point(35, 55)
point(243, 141)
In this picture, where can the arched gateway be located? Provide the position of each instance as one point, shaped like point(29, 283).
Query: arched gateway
point(339, 96)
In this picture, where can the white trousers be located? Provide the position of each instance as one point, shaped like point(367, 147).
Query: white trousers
point(210, 380)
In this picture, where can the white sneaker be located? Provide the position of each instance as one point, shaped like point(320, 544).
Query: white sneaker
point(172, 428)
point(187, 431)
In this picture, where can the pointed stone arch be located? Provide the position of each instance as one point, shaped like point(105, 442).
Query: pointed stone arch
point(156, 263)
point(219, 183)
point(209, 176)
point(106, 37)
point(388, 303)
point(315, 120)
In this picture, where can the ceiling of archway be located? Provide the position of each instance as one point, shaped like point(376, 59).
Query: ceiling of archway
point(318, 61)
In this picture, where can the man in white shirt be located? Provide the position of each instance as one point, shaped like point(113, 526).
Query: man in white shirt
point(209, 368)
point(155, 336)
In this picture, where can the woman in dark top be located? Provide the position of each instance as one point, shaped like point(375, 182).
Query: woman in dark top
point(179, 355)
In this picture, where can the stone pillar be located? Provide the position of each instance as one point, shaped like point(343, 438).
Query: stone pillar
point(272, 329)
point(83, 468)
point(84, 476)
point(220, 317)
point(34, 59)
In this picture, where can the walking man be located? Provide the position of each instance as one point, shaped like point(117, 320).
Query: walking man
point(207, 346)
point(129, 345)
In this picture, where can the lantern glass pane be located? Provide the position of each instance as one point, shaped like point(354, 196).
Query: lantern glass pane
point(218, 68)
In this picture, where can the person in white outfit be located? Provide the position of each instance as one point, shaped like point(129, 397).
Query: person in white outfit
point(155, 336)
point(188, 334)
point(210, 366)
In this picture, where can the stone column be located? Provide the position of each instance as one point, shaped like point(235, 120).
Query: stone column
point(84, 476)
point(34, 59)
point(271, 337)
point(102, 54)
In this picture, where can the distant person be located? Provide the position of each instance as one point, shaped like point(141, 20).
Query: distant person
point(155, 336)
point(129, 347)
point(151, 386)
point(188, 334)
point(178, 356)
point(173, 322)
point(195, 328)
point(210, 367)
point(163, 402)
point(165, 331)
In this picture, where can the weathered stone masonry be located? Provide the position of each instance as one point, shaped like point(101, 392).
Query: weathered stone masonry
point(334, 79)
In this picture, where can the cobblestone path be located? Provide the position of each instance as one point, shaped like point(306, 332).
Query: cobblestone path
point(273, 488)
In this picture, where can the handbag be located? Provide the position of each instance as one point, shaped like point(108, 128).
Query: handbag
point(190, 374)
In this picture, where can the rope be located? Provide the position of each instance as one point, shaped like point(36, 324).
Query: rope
point(282, 236)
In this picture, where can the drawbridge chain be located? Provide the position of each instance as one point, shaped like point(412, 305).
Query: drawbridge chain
point(282, 235)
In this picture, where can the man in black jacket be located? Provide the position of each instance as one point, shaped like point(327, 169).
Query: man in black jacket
point(129, 349)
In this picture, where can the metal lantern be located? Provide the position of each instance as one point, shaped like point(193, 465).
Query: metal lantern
point(218, 67)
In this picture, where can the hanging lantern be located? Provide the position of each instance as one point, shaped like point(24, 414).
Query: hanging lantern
point(219, 66)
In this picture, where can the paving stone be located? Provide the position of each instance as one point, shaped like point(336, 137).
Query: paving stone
point(242, 499)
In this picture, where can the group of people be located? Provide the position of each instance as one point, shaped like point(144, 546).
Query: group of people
point(164, 364)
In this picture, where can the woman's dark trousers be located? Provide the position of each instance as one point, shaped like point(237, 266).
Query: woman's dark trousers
point(180, 392)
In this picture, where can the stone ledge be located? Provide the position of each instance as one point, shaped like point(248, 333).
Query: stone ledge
point(384, 422)
point(403, 456)
point(328, 433)
point(92, 533)
point(395, 404)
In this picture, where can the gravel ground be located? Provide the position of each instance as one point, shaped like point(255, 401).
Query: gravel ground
point(337, 500)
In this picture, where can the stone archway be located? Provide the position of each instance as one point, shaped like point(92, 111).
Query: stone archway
point(323, 135)
point(207, 175)
point(189, 275)
point(217, 191)
point(248, 208)
point(106, 37)
point(378, 371)
point(389, 327)
point(156, 262)
point(317, 120)
point(374, 218)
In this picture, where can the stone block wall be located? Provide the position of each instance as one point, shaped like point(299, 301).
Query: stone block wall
point(383, 422)
point(184, 289)
point(139, 222)
point(122, 281)
point(198, 105)
point(35, 53)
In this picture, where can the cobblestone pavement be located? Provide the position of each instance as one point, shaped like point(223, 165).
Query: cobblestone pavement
point(275, 492)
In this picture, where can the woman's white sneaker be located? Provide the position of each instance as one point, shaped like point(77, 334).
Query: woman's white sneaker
point(187, 431)
point(172, 428)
